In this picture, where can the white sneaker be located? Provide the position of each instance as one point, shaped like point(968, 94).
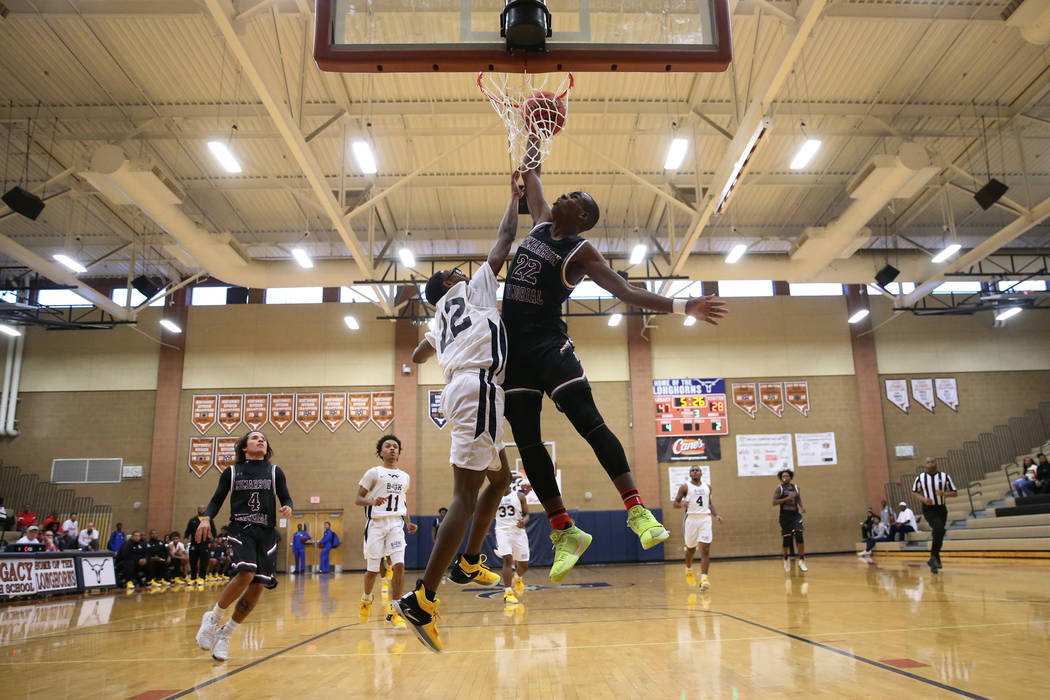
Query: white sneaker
point(802, 565)
point(865, 553)
point(221, 650)
point(787, 565)
point(209, 628)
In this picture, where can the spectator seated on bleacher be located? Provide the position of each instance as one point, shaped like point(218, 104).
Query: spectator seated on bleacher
point(3, 516)
point(49, 541)
point(88, 538)
point(1042, 474)
point(180, 558)
point(70, 530)
point(866, 525)
point(1025, 486)
point(905, 523)
point(880, 532)
point(159, 559)
point(51, 523)
point(887, 514)
point(116, 538)
point(24, 519)
point(132, 561)
point(31, 536)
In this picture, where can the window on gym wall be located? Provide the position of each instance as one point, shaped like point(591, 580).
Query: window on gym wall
point(815, 289)
point(958, 287)
point(60, 297)
point(208, 296)
point(894, 288)
point(120, 296)
point(1025, 286)
point(362, 292)
point(745, 288)
point(590, 290)
point(680, 289)
point(9, 296)
point(294, 295)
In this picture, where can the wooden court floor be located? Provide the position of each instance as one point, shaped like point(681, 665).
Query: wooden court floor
point(846, 628)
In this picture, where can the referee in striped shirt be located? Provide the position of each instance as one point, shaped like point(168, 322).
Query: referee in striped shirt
point(933, 487)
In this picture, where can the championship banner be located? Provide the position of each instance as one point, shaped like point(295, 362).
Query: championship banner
point(231, 410)
point(358, 410)
point(816, 449)
point(771, 395)
point(34, 575)
point(202, 455)
point(203, 412)
point(796, 394)
point(688, 449)
point(333, 410)
point(281, 410)
point(307, 410)
point(763, 455)
point(435, 408)
point(225, 452)
point(256, 410)
point(676, 476)
point(897, 393)
point(922, 391)
point(745, 398)
point(948, 393)
point(382, 408)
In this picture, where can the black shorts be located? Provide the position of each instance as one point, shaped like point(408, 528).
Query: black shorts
point(541, 363)
point(254, 548)
point(790, 521)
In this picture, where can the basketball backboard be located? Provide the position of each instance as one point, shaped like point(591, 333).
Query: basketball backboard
point(413, 36)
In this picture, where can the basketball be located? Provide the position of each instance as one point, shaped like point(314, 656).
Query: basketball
point(544, 114)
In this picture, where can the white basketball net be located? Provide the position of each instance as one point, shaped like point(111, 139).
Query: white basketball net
point(514, 97)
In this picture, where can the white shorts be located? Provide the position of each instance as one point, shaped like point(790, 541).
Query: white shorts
point(474, 409)
point(384, 536)
point(697, 529)
point(513, 541)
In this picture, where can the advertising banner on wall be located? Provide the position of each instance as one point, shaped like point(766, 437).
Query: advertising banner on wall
point(231, 410)
point(771, 395)
point(745, 397)
point(897, 393)
point(203, 408)
point(307, 411)
point(333, 410)
point(435, 408)
point(948, 392)
point(33, 575)
point(816, 449)
point(359, 409)
point(689, 449)
point(282, 411)
point(922, 392)
point(202, 455)
point(763, 455)
point(383, 408)
point(796, 394)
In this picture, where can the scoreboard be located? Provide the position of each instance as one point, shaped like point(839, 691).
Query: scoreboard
point(690, 407)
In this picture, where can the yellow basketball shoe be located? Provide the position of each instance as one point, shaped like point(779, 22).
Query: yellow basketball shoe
point(690, 577)
point(364, 610)
point(422, 615)
point(519, 585)
point(644, 524)
point(509, 598)
point(569, 546)
point(705, 583)
point(461, 571)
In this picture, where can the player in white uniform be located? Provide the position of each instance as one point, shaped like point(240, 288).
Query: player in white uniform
point(471, 345)
point(383, 491)
point(699, 511)
point(512, 543)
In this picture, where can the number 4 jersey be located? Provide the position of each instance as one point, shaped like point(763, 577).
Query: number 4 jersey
point(257, 487)
point(391, 484)
point(470, 333)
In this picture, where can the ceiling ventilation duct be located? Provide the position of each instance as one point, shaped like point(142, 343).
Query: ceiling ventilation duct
point(122, 182)
point(1031, 18)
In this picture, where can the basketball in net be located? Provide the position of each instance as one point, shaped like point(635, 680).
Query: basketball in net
point(533, 108)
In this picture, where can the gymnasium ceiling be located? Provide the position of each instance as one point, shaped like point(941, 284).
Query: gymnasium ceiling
point(160, 78)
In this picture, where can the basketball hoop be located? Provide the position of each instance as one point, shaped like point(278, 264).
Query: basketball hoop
point(533, 107)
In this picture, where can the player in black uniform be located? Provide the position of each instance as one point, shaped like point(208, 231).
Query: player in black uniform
point(789, 499)
point(255, 485)
point(547, 266)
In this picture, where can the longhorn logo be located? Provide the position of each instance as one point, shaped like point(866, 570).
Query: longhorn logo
point(707, 385)
point(97, 567)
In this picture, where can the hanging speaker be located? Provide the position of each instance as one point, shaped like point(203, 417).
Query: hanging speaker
point(25, 203)
point(237, 295)
point(990, 193)
point(145, 286)
point(886, 275)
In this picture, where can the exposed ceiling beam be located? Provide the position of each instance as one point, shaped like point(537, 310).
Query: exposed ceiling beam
point(895, 12)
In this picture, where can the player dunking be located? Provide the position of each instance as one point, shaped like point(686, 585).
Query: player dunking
point(512, 544)
point(789, 499)
point(383, 490)
point(471, 346)
point(546, 268)
point(255, 486)
point(699, 510)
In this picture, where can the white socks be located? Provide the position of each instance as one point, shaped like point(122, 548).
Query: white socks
point(218, 611)
point(231, 625)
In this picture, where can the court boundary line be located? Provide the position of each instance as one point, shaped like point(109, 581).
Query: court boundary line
point(256, 662)
point(855, 657)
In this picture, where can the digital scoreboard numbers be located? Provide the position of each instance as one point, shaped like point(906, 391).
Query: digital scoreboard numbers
point(690, 407)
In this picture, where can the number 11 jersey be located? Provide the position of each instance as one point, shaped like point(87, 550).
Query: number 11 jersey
point(470, 333)
point(391, 484)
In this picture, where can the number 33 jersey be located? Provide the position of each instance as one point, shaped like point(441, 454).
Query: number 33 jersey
point(469, 333)
point(391, 484)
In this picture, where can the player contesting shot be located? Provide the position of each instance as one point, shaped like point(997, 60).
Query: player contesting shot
point(471, 346)
point(547, 266)
point(255, 485)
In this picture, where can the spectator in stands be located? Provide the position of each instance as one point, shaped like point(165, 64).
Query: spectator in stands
point(1025, 486)
point(887, 514)
point(51, 523)
point(24, 519)
point(158, 559)
point(180, 557)
point(88, 538)
point(880, 532)
point(3, 516)
point(905, 522)
point(70, 530)
point(437, 523)
point(865, 527)
point(116, 538)
point(49, 541)
point(133, 560)
point(31, 536)
point(1042, 474)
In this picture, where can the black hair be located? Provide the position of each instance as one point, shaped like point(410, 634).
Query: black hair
point(442, 509)
point(595, 213)
point(435, 288)
point(780, 474)
point(243, 442)
point(379, 443)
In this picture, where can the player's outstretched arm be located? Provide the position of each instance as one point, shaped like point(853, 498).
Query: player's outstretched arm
point(423, 352)
point(508, 227)
point(538, 206)
point(593, 264)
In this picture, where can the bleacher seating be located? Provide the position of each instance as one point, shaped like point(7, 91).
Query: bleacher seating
point(19, 488)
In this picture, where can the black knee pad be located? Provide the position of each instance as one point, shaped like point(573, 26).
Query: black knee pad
point(787, 541)
point(798, 537)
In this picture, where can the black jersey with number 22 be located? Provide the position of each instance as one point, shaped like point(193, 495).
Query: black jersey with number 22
point(536, 286)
